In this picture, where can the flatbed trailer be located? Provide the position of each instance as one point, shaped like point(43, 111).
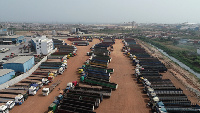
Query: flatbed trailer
point(72, 109)
point(87, 94)
point(34, 78)
point(106, 92)
point(29, 81)
point(39, 76)
point(5, 100)
point(78, 103)
point(27, 85)
point(8, 96)
point(82, 97)
point(106, 78)
point(97, 82)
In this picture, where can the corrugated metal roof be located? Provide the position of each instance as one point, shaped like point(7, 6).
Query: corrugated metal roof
point(19, 59)
point(5, 71)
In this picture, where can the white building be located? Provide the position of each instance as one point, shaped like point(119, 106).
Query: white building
point(198, 51)
point(43, 45)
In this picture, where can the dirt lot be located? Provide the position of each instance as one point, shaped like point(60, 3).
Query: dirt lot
point(40, 103)
point(128, 98)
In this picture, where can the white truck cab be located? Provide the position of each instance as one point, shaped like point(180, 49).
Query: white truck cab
point(32, 90)
point(19, 99)
point(45, 81)
point(4, 109)
point(45, 91)
point(10, 104)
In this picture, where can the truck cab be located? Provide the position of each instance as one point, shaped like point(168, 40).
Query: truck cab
point(50, 78)
point(4, 109)
point(45, 81)
point(45, 91)
point(10, 104)
point(61, 70)
point(160, 108)
point(32, 90)
point(19, 99)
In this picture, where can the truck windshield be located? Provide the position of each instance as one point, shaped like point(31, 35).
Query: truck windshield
point(44, 91)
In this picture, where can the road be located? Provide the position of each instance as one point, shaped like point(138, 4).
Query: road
point(13, 48)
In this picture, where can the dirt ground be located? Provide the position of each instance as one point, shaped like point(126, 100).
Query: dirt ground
point(128, 97)
point(40, 103)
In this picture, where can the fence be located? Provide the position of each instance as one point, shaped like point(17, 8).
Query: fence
point(23, 76)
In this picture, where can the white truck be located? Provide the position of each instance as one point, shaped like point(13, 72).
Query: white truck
point(3, 108)
point(32, 90)
point(8, 102)
point(19, 99)
point(47, 90)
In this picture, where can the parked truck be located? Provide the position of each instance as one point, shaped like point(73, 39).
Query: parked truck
point(98, 82)
point(47, 90)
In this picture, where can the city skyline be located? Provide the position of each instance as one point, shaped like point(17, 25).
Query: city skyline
point(104, 11)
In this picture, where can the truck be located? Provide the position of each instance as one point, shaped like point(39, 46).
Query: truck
point(19, 99)
point(106, 92)
point(71, 85)
point(99, 82)
point(47, 90)
point(3, 108)
point(8, 102)
point(15, 92)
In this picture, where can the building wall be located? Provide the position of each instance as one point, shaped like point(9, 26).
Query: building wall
point(6, 77)
point(20, 39)
point(28, 65)
point(198, 51)
point(14, 66)
point(18, 67)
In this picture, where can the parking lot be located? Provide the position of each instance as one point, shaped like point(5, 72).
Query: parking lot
point(13, 48)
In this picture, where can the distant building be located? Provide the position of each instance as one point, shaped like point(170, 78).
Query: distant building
point(198, 51)
point(6, 75)
point(20, 63)
point(15, 39)
point(54, 33)
point(42, 45)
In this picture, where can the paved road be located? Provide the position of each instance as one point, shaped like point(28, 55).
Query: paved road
point(13, 48)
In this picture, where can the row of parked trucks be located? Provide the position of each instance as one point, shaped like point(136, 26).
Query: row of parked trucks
point(87, 96)
point(164, 97)
point(45, 74)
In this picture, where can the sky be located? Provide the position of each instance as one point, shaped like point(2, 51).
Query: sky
point(100, 11)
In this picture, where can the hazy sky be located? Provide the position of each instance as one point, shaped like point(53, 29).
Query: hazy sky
point(100, 11)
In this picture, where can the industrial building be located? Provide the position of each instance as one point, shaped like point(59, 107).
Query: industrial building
point(20, 63)
point(6, 75)
point(42, 45)
point(8, 40)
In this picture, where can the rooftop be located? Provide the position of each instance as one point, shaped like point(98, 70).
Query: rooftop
point(5, 71)
point(19, 59)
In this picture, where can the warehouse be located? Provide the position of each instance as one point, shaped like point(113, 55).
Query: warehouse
point(20, 63)
point(15, 39)
point(6, 75)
